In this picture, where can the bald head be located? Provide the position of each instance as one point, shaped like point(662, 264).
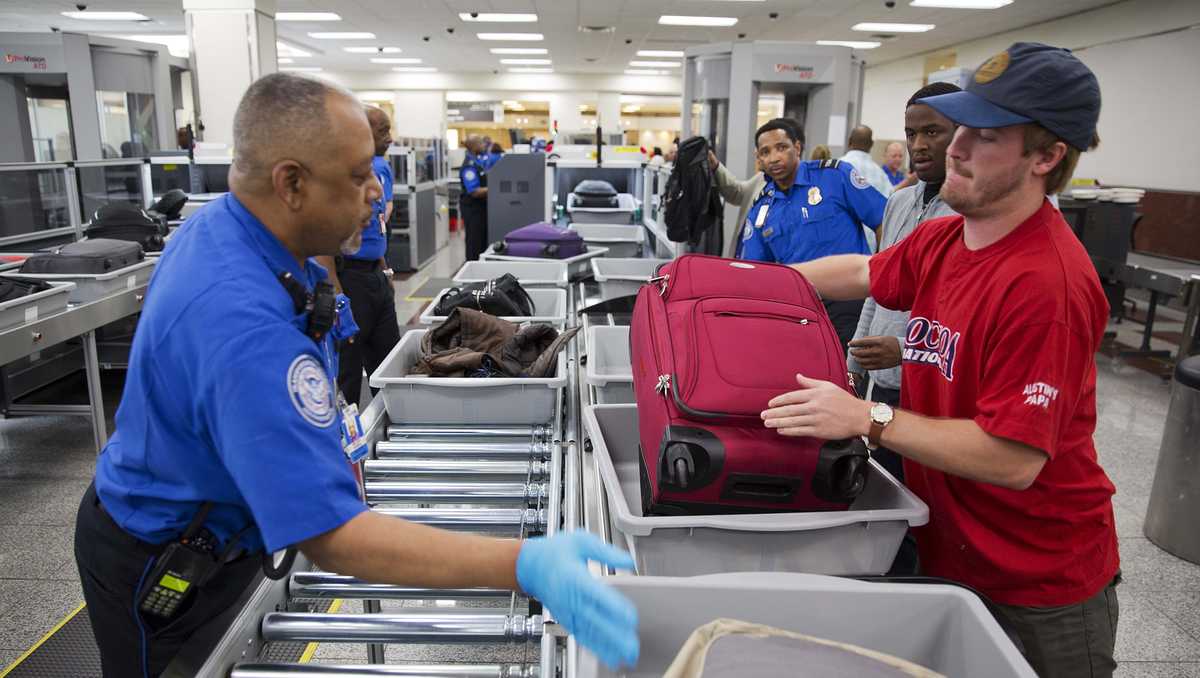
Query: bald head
point(894, 156)
point(474, 144)
point(860, 139)
point(381, 128)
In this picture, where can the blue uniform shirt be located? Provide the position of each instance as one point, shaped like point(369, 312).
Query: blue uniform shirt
point(894, 177)
point(374, 239)
point(822, 214)
point(226, 399)
point(471, 174)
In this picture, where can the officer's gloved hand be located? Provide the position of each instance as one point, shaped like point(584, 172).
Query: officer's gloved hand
point(554, 570)
point(344, 328)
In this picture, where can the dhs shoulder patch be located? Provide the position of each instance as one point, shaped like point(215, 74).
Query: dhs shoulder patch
point(310, 391)
point(469, 174)
point(857, 179)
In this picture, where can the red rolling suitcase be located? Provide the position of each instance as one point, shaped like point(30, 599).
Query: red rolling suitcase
point(712, 341)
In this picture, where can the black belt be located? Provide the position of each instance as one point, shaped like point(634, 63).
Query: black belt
point(154, 549)
point(359, 264)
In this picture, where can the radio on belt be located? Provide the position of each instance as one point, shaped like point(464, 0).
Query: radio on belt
point(183, 566)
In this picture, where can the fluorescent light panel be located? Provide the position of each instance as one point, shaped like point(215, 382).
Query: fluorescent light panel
point(106, 16)
point(518, 50)
point(639, 71)
point(654, 64)
point(677, 20)
point(526, 62)
point(285, 60)
point(301, 69)
point(531, 70)
point(961, 4)
point(884, 27)
point(342, 35)
point(515, 37)
point(856, 44)
point(285, 49)
point(307, 16)
point(663, 53)
point(395, 60)
point(414, 69)
point(373, 50)
point(499, 17)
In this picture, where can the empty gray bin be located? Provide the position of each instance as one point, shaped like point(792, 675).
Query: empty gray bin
point(34, 307)
point(549, 306)
point(577, 266)
point(621, 214)
point(528, 273)
point(623, 277)
point(863, 539)
point(622, 240)
point(434, 400)
point(941, 627)
point(90, 287)
point(609, 369)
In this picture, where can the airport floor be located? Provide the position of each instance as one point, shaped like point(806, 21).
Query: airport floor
point(47, 462)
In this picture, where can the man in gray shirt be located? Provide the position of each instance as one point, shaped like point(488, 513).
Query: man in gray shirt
point(879, 340)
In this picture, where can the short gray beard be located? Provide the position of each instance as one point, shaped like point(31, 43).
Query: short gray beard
point(352, 244)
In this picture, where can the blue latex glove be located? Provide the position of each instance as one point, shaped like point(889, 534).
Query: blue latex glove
point(554, 570)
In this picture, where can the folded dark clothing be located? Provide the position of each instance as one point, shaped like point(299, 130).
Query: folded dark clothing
point(473, 343)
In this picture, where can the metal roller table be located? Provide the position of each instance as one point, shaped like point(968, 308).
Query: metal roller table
point(1170, 278)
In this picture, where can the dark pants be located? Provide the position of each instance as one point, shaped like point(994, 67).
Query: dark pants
point(475, 225)
point(1073, 641)
point(844, 315)
point(373, 302)
point(112, 568)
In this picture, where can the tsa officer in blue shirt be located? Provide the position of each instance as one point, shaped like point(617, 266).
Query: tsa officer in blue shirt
point(472, 202)
point(808, 210)
point(365, 277)
point(228, 438)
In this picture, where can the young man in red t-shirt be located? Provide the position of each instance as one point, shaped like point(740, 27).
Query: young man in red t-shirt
point(999, 399)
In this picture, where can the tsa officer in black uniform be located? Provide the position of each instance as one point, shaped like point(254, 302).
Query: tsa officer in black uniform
point(472, 204)
point(228, 440)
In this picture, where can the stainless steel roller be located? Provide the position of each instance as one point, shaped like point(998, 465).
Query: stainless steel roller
point(459, 469)
point(424, 627)
point(417, 431)
point(454, 492)
point(454, 448)
point(473, 519)
point(368, 671)
point(328, 585)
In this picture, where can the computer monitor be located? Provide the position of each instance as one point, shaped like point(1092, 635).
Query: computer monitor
point(214, 177)
point(168, 172)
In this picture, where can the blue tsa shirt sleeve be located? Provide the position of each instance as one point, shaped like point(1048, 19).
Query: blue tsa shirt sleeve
point(470, 178)
point(865, 202)
point(272, 410)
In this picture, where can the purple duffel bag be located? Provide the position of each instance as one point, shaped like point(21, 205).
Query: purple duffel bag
point(541, 240)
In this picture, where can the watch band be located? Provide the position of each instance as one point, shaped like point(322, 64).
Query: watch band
point(875, 433)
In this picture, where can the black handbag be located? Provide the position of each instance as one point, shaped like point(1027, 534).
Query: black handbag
point(501, 296)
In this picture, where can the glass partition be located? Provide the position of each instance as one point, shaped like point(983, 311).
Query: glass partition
point(33, 200)
point(100, 183)
point(127, 127)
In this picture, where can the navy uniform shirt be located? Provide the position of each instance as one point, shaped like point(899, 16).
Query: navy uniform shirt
point(374, 238)
point(226, 399)
point(822, 214)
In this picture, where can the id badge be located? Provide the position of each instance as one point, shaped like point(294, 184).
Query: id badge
point(762, 216)
point(354, 443)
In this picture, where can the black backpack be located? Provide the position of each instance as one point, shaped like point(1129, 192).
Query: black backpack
point(595, 193)
point(15, 288)
point(170, 205)
point(501, 296)
point(692, 207)
point(126, 221)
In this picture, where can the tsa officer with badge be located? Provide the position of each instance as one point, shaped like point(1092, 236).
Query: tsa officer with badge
point(472, 203)
point(808, 210)
point(228, 443)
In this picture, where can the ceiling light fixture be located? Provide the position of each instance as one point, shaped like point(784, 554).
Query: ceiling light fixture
point(414, 69)
point(531, 70)
point(856, 44)
point(342, 35)
point(885, 27)
point(526, 62)
point(302, 69)
point(518, 50)
point(395, 60)
point(106, 16)
point(676, 20)
point(515, 37)
point(961, 4)
point(664, 53)
point(639, 71)
point(307, 16)
point(498, 17)
point(177, 45)
point(285, 60)
point(284, 49)
point(373, 50)
point(654, 64)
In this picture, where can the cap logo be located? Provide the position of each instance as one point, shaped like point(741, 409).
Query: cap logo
point(992, 68)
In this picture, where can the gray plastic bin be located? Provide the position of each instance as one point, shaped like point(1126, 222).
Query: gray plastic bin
point(623, 277)
point(434, 400)
point(35, 306)
point(622, 240)
point(609, 369)
point(549, 306)
point(577, 266)
point(941, 627)
point(621, 214)
point(863, 539)
point(528, 273)
point(90, 287)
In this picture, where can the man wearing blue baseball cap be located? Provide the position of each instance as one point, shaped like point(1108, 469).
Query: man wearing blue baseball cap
point(998, 407)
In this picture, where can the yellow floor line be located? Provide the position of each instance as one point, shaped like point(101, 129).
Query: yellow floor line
point(43, 639)
point(410, 297)
point(311, 648)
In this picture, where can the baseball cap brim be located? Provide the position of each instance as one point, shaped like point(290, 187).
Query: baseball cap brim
point(972, 110)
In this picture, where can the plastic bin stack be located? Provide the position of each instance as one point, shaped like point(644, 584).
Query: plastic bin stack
point(578, 266)
point(622, 241)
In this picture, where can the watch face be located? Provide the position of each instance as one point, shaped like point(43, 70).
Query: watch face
point(881, 413)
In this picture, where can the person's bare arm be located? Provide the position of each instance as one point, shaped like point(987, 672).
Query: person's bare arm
point(331, 268)
point(389, 550)
point(480, 192)
point(840, 277)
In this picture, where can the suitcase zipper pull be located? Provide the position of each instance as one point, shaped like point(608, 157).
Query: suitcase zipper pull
point(664, 279)
point(663, 385)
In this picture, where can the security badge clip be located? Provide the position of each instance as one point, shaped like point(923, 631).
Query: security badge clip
point(762, 216)
point(354, 443)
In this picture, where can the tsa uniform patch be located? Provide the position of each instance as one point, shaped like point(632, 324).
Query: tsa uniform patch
point(857, 179)
point(310, 391)
point(469, 175)
point(747, 232)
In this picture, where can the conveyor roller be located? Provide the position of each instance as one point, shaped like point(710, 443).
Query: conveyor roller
point(426, 627)
point(455, 449)
point(413, 432)
point(459, 469)
point(401, 670)
point(454, 492)
point(473, 519)
point(327, 585)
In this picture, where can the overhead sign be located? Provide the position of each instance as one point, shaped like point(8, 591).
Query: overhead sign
point(473, 111)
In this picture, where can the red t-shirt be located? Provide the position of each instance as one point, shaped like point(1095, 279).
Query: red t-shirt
point(1006, 336)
